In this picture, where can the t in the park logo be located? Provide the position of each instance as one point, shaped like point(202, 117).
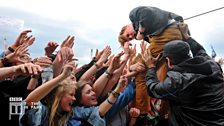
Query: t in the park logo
point(15, 106)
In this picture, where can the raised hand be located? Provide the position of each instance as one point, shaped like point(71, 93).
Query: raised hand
point(122, 84)
point(107, 64)
point(27, 69)
point(65, 54)
point(50, 48)
point(68, 69)
point(43, 61)
point(104, 56)
point(143, 46)
point(138, 67)
point(126, 48)
point(132, 55)
point(116, 62)
point(20, 39)
point(28, 40)
point(184, 30)
point(134, 112)
point(16, 56)
point(221, 61)
point(98, 54)
point(149, 60)
point(68, 42)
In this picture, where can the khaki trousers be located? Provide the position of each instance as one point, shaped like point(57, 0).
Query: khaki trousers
point(156, 47)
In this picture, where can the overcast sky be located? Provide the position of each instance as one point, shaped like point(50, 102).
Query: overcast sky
point(97, 23)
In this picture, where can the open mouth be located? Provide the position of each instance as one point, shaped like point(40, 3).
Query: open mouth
point(94, 99)
point(70, 104)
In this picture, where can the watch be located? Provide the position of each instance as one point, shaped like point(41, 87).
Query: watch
point(115, 94)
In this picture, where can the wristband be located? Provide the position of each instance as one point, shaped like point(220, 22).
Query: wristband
point(115, 94)
point(6, 62)
point(13, 46)
point(11, 49)
point(35, 76)
point(108, 74)
point(110, 102)
point(94, 59)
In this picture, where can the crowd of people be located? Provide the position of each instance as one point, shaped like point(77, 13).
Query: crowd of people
point(173, 81)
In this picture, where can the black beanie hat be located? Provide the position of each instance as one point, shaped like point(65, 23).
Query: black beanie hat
point(177, 51)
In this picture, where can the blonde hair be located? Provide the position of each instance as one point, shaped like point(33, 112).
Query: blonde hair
point(63, 87)
point(121, 38)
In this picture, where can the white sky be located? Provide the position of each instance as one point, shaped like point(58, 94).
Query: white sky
point(98, 16)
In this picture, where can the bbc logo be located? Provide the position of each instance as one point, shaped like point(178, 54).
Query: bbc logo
point(15, 106)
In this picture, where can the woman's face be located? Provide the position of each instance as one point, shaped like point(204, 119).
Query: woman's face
point(88, 96)
point(129, 33)
point(67, 100)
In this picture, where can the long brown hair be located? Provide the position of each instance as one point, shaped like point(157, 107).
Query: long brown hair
point(55, 115)
point(78, 94)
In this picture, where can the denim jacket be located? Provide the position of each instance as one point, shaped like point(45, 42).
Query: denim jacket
point(90, 114)
point(38, 116)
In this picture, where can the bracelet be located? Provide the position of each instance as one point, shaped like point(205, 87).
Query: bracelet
point(35, 76)
point(11, 49)
point(94, 59)
point(109, 75)
point(97, 66)
point(115, 94)
point(6, 62)
point(109, 101)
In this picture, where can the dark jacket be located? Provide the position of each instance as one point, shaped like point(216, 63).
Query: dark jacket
point(153, 19)
point(195, 89)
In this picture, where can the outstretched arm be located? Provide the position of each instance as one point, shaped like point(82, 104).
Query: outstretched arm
point(107, 104)
point(41, 91)
point(27, 69)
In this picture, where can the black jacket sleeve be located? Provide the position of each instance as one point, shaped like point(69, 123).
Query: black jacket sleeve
point(197, 49)
point(84, 69)
point(162, 90)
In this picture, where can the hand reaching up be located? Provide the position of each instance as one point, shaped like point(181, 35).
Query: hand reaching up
point(15, 57)
point(104, 56)
point(132, 55)
point(68, 42)
point(50, 48)
point(20, 39)
point(184, 30)
point(43, 61)
point(28, 40)
point(116, 62)
point(122, 84)
point(137, 67)
point(65, 54)
point(107, 64)
point(127, 50)
point(149, 60)
point(68, 69)
point(143, 46)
